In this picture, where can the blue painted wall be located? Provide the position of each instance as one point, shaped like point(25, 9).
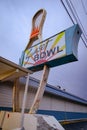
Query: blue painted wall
point(59, 115)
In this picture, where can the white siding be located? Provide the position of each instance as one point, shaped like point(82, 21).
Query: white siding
point(30, 96)
point(58, 104)
point(48, 102)
point(5, 95)
point(45, 103)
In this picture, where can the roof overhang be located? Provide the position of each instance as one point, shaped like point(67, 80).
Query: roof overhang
point(10, 70)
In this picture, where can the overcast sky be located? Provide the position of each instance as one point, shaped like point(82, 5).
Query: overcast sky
point(15, 27)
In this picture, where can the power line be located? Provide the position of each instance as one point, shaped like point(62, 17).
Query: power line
point(84, 8)
point(67, 11)
point(76, 18)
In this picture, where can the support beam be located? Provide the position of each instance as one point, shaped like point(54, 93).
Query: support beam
point(40, 91)
point(24, 103)
point(16, 95)
point(8, 73)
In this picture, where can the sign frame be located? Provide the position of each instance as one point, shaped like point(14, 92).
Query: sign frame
point(72, 36)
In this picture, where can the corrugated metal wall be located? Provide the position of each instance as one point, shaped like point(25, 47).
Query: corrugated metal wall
point(6, 94)
point(30, 96)
point(49, 101)
point(58, 104)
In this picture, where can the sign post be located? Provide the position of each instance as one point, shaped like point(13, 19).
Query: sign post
point(40, 90)
point(36, 34)
point(54, 51)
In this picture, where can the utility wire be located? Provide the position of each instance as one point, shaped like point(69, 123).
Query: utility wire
point(84, 41)
point(67, 11)
point(84, 8)
point(77, 19)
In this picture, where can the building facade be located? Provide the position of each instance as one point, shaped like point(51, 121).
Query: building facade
point(64, 106)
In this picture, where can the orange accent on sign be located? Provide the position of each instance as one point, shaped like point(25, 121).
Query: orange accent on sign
point(34, 32)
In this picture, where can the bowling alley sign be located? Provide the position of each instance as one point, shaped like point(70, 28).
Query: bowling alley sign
point(54, 51)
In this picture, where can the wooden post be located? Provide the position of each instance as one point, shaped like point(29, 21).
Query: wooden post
point(24, 103)
point(36, 34)
point(40, 91)
point(16, 96)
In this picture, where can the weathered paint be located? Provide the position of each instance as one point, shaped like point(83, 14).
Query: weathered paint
point(54, 51)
